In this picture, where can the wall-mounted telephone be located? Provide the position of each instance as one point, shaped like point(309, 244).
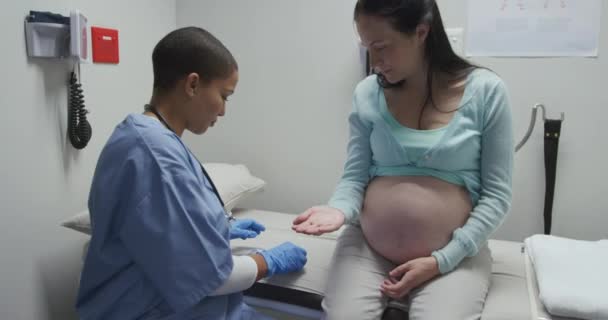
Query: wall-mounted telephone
point(79, 129)
point(51, 35)
point(78, 36)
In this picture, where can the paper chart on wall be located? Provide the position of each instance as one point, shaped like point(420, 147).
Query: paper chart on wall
point(533, 28)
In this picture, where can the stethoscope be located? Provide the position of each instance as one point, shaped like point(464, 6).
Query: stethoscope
point(151, 108)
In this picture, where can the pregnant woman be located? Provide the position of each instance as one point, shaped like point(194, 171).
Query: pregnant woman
point(427, 178)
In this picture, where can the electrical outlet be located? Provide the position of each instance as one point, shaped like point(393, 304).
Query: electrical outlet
point(456, 37)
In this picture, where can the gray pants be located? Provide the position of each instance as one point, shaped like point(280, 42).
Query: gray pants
point(353, 288)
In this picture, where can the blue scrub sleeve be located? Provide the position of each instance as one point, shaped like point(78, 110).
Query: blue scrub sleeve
point(179, 238)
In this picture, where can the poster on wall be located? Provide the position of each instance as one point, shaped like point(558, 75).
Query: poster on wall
point(533, 28)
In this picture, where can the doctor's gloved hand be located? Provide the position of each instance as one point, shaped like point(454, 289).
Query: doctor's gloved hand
point(284, 258)
point(245, 229)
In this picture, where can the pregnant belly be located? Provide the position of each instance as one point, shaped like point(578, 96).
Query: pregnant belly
point(404, 218)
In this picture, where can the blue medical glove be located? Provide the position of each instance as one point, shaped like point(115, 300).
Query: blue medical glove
point(245, 229)
point(284, 258)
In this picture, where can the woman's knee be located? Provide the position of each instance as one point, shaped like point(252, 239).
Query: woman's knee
point(460, 294)
point(367, 308)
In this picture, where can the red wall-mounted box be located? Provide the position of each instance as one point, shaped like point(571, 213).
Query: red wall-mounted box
point(105, 45)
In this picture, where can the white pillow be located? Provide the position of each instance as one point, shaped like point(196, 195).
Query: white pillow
point(234, 182)
point(80, 222)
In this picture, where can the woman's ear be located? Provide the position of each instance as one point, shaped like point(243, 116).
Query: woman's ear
point(192, 84)
point(422, 32)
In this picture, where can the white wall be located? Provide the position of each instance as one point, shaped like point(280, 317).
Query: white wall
point(43, 180)
point(299, 64)
point(577, 87)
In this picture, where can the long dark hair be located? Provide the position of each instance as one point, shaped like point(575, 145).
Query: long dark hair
point(404, 16)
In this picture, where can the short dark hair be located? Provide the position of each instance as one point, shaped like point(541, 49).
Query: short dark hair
point(189, 50)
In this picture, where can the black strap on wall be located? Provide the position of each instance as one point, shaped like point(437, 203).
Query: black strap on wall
point(368, 66)
point(552, 133)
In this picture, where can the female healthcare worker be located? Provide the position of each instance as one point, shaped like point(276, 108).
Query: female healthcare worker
point(427, 178)
point(160, 241)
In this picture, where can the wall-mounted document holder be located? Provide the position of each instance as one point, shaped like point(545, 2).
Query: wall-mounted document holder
point(51, 35)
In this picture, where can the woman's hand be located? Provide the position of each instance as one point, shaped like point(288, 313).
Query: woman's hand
point(318, 220)
point(408, 276)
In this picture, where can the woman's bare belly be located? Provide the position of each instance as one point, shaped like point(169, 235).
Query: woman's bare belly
point(408, 217)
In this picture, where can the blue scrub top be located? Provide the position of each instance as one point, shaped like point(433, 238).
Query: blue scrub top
point(160, 239)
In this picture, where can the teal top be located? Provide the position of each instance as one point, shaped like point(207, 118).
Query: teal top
point(474, 150)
